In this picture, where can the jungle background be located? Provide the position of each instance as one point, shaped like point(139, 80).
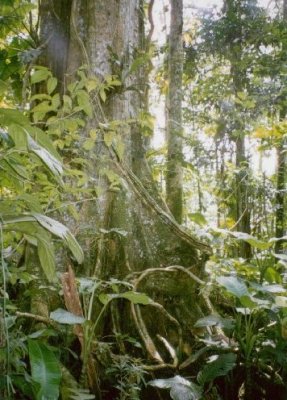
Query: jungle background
point(143, 211)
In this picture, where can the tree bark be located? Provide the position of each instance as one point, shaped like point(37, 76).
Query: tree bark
point(174, 174)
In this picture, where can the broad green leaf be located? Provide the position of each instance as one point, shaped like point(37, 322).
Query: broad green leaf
point(180, 388)
point(67, 102)
point(13, 165)
point(136, 298)
point(220, 367)
point(41, 96)
point(91, 84)
point(10, 116)
point(65, 317)
point(253, 241)
point(215, 320)
point(47, 259)
point(43, 107)
point(233, 285)
point(56, 102)
point(51, 84)
point(43, 140)
point(48, 159)
point(105, 298)
point(45, 370)
point(28, 224)
point(84, 102)
point(62, 232)
point(19, 136)
point(271, 275)
point(133, 297)
point(247, 302)
point(40, 75)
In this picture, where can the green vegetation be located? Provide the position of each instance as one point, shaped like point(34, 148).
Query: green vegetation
point(105, 291)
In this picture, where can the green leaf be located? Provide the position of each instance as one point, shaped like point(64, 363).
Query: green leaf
point(220, 367)
point(54, 165)
point(62, 232)
point(40, 75)
point(233, 285)
point(19, 136)
point(67, 102)
point(247, 302)
point(89, 144)
point(109, 137)
point(9, 116)
point(105, 298)
point(41, 96)
point(45, 370)
point(103, 95)
point(253, 241)
point(214, 320)
point(56, 102)
point(271, 275)
point(136, 298)
point(180, 388)
point(120, 147)
point(133, 297)
point(43, 107)
point(65, 317)
point(43, 140)
point(84, 102)
point(15, 166)
point(26, 223)
point(47, 259)
point(51, 84)
point(31, 201)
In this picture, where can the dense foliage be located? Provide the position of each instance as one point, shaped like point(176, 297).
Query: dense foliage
point(55, 339)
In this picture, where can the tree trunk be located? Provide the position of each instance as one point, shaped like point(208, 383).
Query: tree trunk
point(174, 174)
point(281, 167)
point(238, 74)
point(280, 196)
point(127, 232)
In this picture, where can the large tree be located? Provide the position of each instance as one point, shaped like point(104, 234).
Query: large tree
point(127, 231)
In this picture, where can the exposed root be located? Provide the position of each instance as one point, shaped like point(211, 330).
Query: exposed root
point(141, 327)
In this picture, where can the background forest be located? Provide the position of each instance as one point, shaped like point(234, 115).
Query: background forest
point(142, 207)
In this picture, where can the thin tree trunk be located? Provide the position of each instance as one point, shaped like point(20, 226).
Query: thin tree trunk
point(174, 175)
point(281, 169)
point(280, 196)
point(241, 162)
